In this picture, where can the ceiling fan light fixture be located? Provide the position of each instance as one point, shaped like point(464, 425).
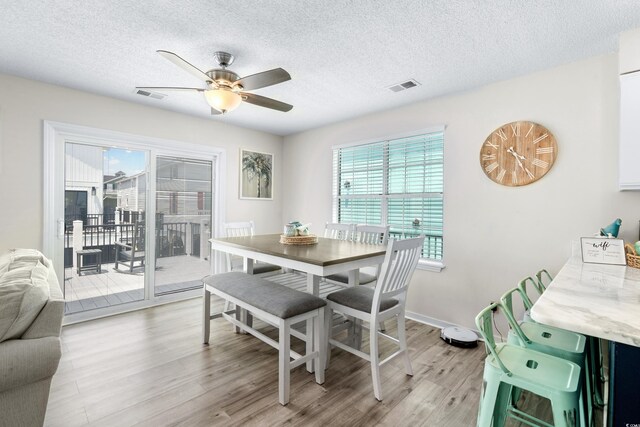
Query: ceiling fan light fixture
point(223, 100)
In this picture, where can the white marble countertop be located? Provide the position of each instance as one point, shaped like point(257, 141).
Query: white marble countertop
point(593, 299)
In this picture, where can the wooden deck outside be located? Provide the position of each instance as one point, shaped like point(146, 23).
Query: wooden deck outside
point(109, 287)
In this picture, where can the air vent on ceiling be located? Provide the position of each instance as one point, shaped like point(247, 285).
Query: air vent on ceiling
point(154, 95)
point(403, 86)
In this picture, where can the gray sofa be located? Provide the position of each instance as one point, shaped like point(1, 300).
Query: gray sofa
point(30, 323)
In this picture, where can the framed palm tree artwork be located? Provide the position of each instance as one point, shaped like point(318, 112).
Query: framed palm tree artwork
point(256, 175)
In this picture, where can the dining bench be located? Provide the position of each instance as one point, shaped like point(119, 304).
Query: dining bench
point(278, 306)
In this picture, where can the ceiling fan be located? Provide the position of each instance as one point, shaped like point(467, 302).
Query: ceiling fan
point(225, 90)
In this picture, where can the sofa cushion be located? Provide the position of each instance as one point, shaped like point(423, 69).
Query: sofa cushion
point(24, 290)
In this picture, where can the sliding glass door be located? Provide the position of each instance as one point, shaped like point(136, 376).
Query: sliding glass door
point(183, 223)
point(127, 218)
point(105, 193)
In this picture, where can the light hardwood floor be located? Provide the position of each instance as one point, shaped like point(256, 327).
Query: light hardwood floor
point(149, 368)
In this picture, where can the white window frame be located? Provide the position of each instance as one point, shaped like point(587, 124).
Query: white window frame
point(423, 263)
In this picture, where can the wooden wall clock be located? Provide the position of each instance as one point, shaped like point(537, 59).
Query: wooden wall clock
point(518, 153)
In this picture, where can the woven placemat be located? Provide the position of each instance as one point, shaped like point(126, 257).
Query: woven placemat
point(311, 239)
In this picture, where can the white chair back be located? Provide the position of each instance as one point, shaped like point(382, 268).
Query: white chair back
point(398, 266)
point(333, 230)
point(372, 234)
point(239, 229)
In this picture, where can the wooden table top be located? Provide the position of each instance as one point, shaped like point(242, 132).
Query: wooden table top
point(326, 252)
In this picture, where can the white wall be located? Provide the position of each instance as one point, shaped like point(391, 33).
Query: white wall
point(25, 104)
point(493, 235)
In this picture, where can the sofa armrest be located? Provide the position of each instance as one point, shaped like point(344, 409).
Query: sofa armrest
point(48, 322)
point(28, 361)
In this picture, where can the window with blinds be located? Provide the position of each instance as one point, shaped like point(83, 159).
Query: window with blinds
point(398, 182)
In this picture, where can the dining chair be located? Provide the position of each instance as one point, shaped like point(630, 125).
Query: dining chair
point(334, 230)
point(367, 234)
point(387, 300)
point(510, 366)
point(243, 229)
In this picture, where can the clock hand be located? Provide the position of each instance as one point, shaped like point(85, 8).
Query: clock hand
point(512, 151)
point(516, 156)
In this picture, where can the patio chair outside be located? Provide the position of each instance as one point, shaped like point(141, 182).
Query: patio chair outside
point(130, 252)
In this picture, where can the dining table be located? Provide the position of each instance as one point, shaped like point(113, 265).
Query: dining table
point(601, 301)
point(324, 258)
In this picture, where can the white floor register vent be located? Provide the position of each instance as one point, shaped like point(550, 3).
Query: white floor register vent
point(459, 337)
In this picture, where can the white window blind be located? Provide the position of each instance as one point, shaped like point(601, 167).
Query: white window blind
point(398, 182)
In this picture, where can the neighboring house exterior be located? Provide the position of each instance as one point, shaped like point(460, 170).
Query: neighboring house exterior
point(83, 181)
point(131, 192)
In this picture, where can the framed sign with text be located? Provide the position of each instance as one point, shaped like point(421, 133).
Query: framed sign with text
point(603, 251)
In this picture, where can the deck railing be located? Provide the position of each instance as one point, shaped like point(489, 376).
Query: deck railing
point(432, 248)
point(171, 240)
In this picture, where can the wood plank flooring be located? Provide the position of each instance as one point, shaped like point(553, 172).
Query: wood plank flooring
point(149, 368)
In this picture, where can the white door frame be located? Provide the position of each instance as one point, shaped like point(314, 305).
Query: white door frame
point(57, 134)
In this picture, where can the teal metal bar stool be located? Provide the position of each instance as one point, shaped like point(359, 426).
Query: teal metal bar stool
point(547, 277)
point(526, 300)
point(549, 340)
point(594, 364)
point(508, 366)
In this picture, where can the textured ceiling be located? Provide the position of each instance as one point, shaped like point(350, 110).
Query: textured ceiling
point(341, 54)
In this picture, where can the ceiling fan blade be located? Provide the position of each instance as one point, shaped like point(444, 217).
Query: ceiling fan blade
point(263, 101)
point(183, 89)
point(185, 65)
point(264, 79)
point(215, 112)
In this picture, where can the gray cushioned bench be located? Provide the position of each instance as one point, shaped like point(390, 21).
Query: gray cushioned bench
point(279, 306)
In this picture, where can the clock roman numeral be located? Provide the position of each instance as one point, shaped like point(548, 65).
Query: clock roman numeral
point(540, 163)
point(529, 173)
point(530, 129)
point(490, 168)
point(544, 150)
point(514, 177)
point(491, 145)
point(488, 157)
point(516, 129)
point(501, 175)
point(540, 138)
point(501, 134)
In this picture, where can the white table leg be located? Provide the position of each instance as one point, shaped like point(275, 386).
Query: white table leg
point(313, 284)
point(354, 277)
point(247, 318)
point(248, 265)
